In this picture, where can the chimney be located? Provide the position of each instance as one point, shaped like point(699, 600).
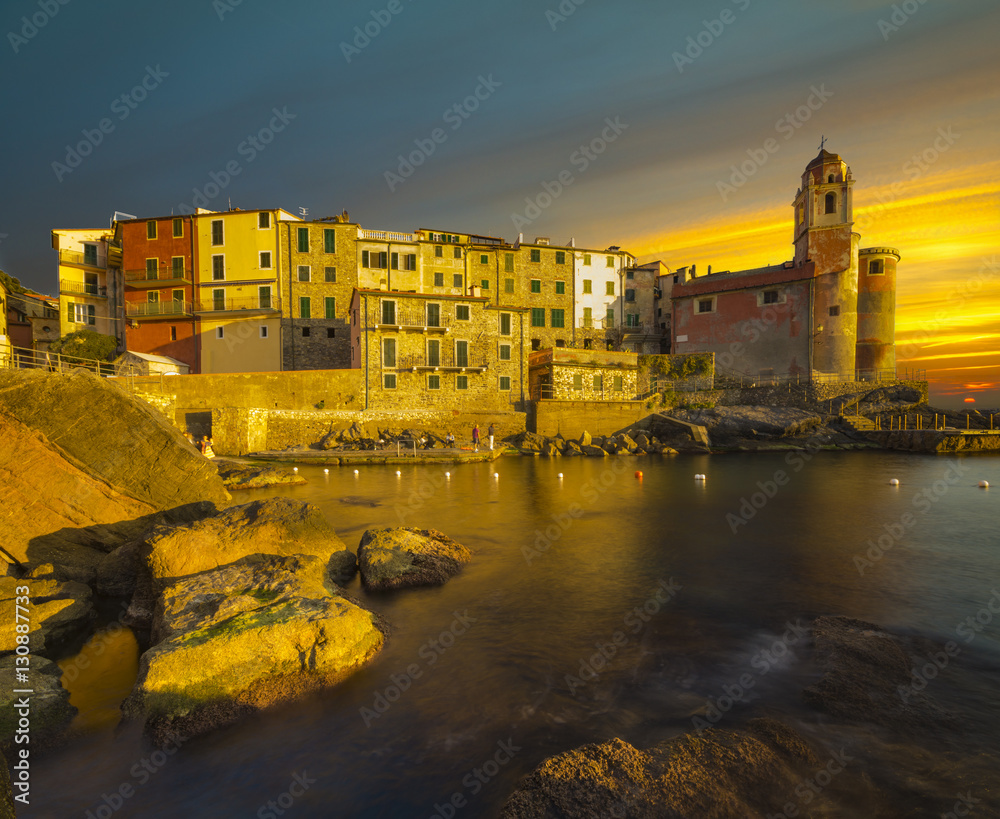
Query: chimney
point(710, 270)
point(694, 271)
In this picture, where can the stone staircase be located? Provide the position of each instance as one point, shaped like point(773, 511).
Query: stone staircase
point(858, 423)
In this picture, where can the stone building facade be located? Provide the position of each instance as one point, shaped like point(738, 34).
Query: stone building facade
point(582, 375)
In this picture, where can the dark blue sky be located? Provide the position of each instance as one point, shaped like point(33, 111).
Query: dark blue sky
point(554, 84)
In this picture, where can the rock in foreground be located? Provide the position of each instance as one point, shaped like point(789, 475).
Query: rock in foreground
point(51, 712)
point(246, 636)
point(395, 558)
point(249, 476)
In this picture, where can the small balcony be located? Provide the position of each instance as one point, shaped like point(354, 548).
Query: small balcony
point(72, 288)
point(595, 323)
point(230, 304)
point(446, 361)
point(157, 309)
point(83, 259)
point(415, 320)
point(165, 276)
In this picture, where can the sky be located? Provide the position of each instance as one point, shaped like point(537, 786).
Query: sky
point(678, 131)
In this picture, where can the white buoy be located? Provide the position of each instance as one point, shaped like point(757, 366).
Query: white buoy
point(295, 469)
point(357, 472)
point(447, 474)
point(984, 484)
point(496, 474)
point(894, 482)
point(560, 474)
point(327, 471)
point(699, 477)
point(398, 473)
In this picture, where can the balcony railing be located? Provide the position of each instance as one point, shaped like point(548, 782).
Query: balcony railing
point(413, 319)
point(595, 323)
point(76, 257)
point(162, 275)
point(385, 236)
point(83, 289)
point(228, 303)
point(447, 360)
point(156, 309)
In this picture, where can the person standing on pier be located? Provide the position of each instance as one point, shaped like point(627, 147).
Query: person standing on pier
point(491, 432)
point(475, 437)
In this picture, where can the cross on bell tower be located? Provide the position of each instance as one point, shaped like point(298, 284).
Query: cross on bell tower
point(822, 142)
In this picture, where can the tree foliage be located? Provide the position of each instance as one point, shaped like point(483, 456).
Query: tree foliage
point(86, 344)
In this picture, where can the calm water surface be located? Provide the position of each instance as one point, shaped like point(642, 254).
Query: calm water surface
point(561, 565)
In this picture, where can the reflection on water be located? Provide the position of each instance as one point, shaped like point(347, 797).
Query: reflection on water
point(563, 575)
point(100, 676)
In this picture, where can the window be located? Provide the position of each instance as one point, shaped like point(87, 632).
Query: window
point(609, 288)
point(536, 344)
point(264, 297)
point(433, 353)
point(577, 382)
point(609, 318)
point(505, 324)
point(588, 344)
point(389, 381)
point(438, 251)
point(508, 263)
point(875, 268)
point(611, 261)
point(588, 317)
point(394, 261)
point(178, 228)
point(153, 297)
point(303, 239)
point(220, 332)
point(409, 261)
point(304, 272)
point(485, 284)
point(265, 260)
point(505, 352)
point(830, 178)
point(586, 258)
point(461, 312)
point(630, 275)
point(461, 382)
point(263, 222)
point(438, 279)
point(373, 258)
point(218, 268)
point(458, 253)
point(588, 286)
point(173, 334)
point(831, 203)
point(330, 306)
point(560, 288)
point(219, 300)
point(461, 353)
point(598, 382)
point(619, 384)
point(150, 229)
point(433, 315)
point(484, 259)
point(434, 382)
point(177, 267)
point(705, 305)
point(456, 280)
point(629, 294)
point(558, 318)
point(798, 215)
point(90, 255)
point(177, 295)
point(329, 240)
point(536, 254)
point(560, 257)
point(331, 332)
point(388, 312)
point(151, 265)
point(508, 285)
point(504, 383)
point(537, 316)
point(631, 319)
point(217, 234)
point(305, 307)
point(835, 310)
point(536, 285)
point(263, 331)
point(330, 274)
point(560, 342)
point(306, 332)
point(770, 297)
point(388, 352)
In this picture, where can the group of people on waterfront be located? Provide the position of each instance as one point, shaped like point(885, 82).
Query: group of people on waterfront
point(490, 433)
point(204, 445)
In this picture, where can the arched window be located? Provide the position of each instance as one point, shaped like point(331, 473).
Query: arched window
point(830, 178)
point(831, 203)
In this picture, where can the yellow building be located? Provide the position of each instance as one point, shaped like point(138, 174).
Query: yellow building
point(237, 289)
point(90, 292)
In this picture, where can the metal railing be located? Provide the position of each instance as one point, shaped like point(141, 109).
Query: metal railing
point(447, 360)
point(409, 318)
point(83, 289)
point(161, 274)
point(23, 358)
point(157, 308)
point(743, 380)
point(219, 305)
point(76, 257)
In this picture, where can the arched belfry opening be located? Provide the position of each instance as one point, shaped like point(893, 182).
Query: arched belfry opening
point(831, 203)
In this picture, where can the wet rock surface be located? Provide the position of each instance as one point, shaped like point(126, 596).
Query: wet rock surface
point(394, 558)
point(249, 476)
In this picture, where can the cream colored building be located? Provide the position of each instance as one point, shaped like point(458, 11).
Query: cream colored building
point(90, 289)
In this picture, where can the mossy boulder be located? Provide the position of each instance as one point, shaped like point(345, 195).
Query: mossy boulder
point(394, 558)
point(51, 712)
point(249, 476)
point(246, 636)
point(58, 611)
